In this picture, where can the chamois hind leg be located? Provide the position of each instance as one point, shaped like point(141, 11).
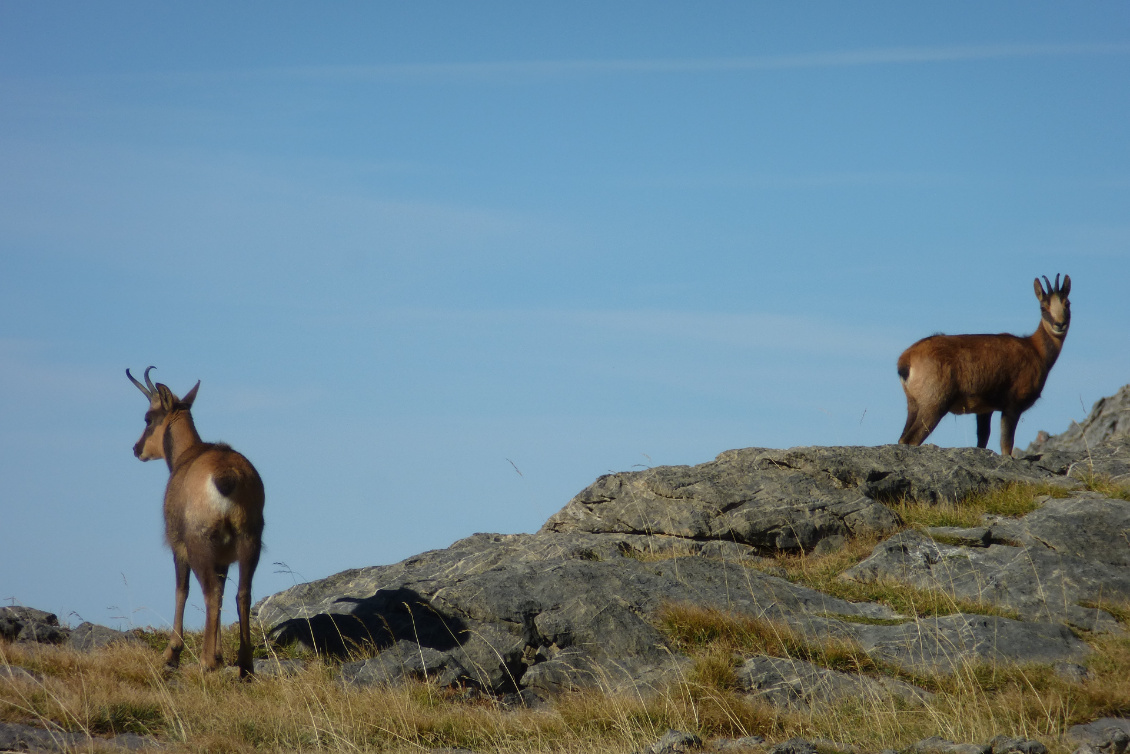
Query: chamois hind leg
point(211, 583)
point(1008, 432)
point(920, 422)
point(176, 641)
point(247, 563)
point(221, 582)
point(983, 429)
point(911, 422)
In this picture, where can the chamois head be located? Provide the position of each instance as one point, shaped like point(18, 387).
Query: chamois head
point(163, 406)
point(1055, 309)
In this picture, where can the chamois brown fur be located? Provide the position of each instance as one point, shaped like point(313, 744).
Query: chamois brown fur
point(980, 374)
point(213, 518)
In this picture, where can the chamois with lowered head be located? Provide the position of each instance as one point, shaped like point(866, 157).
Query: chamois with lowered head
point(213, 518)
point(980, 374)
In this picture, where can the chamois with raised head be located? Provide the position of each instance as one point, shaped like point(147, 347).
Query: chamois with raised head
point(980, 374)
point(213, 518)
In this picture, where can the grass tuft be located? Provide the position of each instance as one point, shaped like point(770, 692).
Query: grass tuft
point(1014, 500)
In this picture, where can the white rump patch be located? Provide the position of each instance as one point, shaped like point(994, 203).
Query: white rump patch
point(218, 502)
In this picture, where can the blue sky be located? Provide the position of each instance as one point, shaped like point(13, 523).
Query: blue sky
point(440, 265)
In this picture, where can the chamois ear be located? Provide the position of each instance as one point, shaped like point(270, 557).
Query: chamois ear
point(190, 396)
point(1065, 291)
point(1040, 293)
point(166, 396)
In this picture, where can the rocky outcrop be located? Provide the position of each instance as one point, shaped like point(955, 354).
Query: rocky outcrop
point(788, 500)
point(1109, 419)
point(26, 624)
point(576, 605)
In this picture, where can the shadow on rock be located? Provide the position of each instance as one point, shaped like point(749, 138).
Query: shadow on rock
point(373, 623)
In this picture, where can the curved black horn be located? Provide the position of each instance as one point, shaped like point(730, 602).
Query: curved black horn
point(1057, 282)
point(147, 390)
point(1049, 283)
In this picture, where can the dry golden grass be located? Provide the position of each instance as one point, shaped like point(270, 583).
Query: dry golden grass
point(973, 704)
point(127, 689)
point(1014, 499)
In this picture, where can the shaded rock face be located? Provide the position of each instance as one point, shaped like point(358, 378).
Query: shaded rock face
point(577, 604)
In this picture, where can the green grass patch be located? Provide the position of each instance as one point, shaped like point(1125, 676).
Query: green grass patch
point(1014, 500)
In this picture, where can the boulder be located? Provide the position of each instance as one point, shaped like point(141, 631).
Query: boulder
point(27, 624)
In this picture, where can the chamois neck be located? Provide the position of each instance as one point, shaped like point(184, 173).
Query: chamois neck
point(180, 435)
point(1047, 344)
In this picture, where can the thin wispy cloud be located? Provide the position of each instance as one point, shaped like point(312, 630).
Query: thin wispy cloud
point(491, 71)
point(506, 71)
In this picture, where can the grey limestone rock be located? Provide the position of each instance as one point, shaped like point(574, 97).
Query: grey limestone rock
point(787, 682)
point(91, 636)
point(17, 737)
point(674, 742)
point(274, 667)
point(794, 746)
point(1010, 745)
point(1109, 418)
point(27, 624)
point(405, 660)
point(743, 744)
point(792, 499)
point(30, 625)
point(521, 610)
point(947, 642)
point(1070, 553)
point(1108, 735)
point(937, 745)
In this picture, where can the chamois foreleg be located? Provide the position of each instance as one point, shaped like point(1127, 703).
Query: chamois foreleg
point(1008, 431)
point(176, 641)
point(983, 429)
point(247, 563)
